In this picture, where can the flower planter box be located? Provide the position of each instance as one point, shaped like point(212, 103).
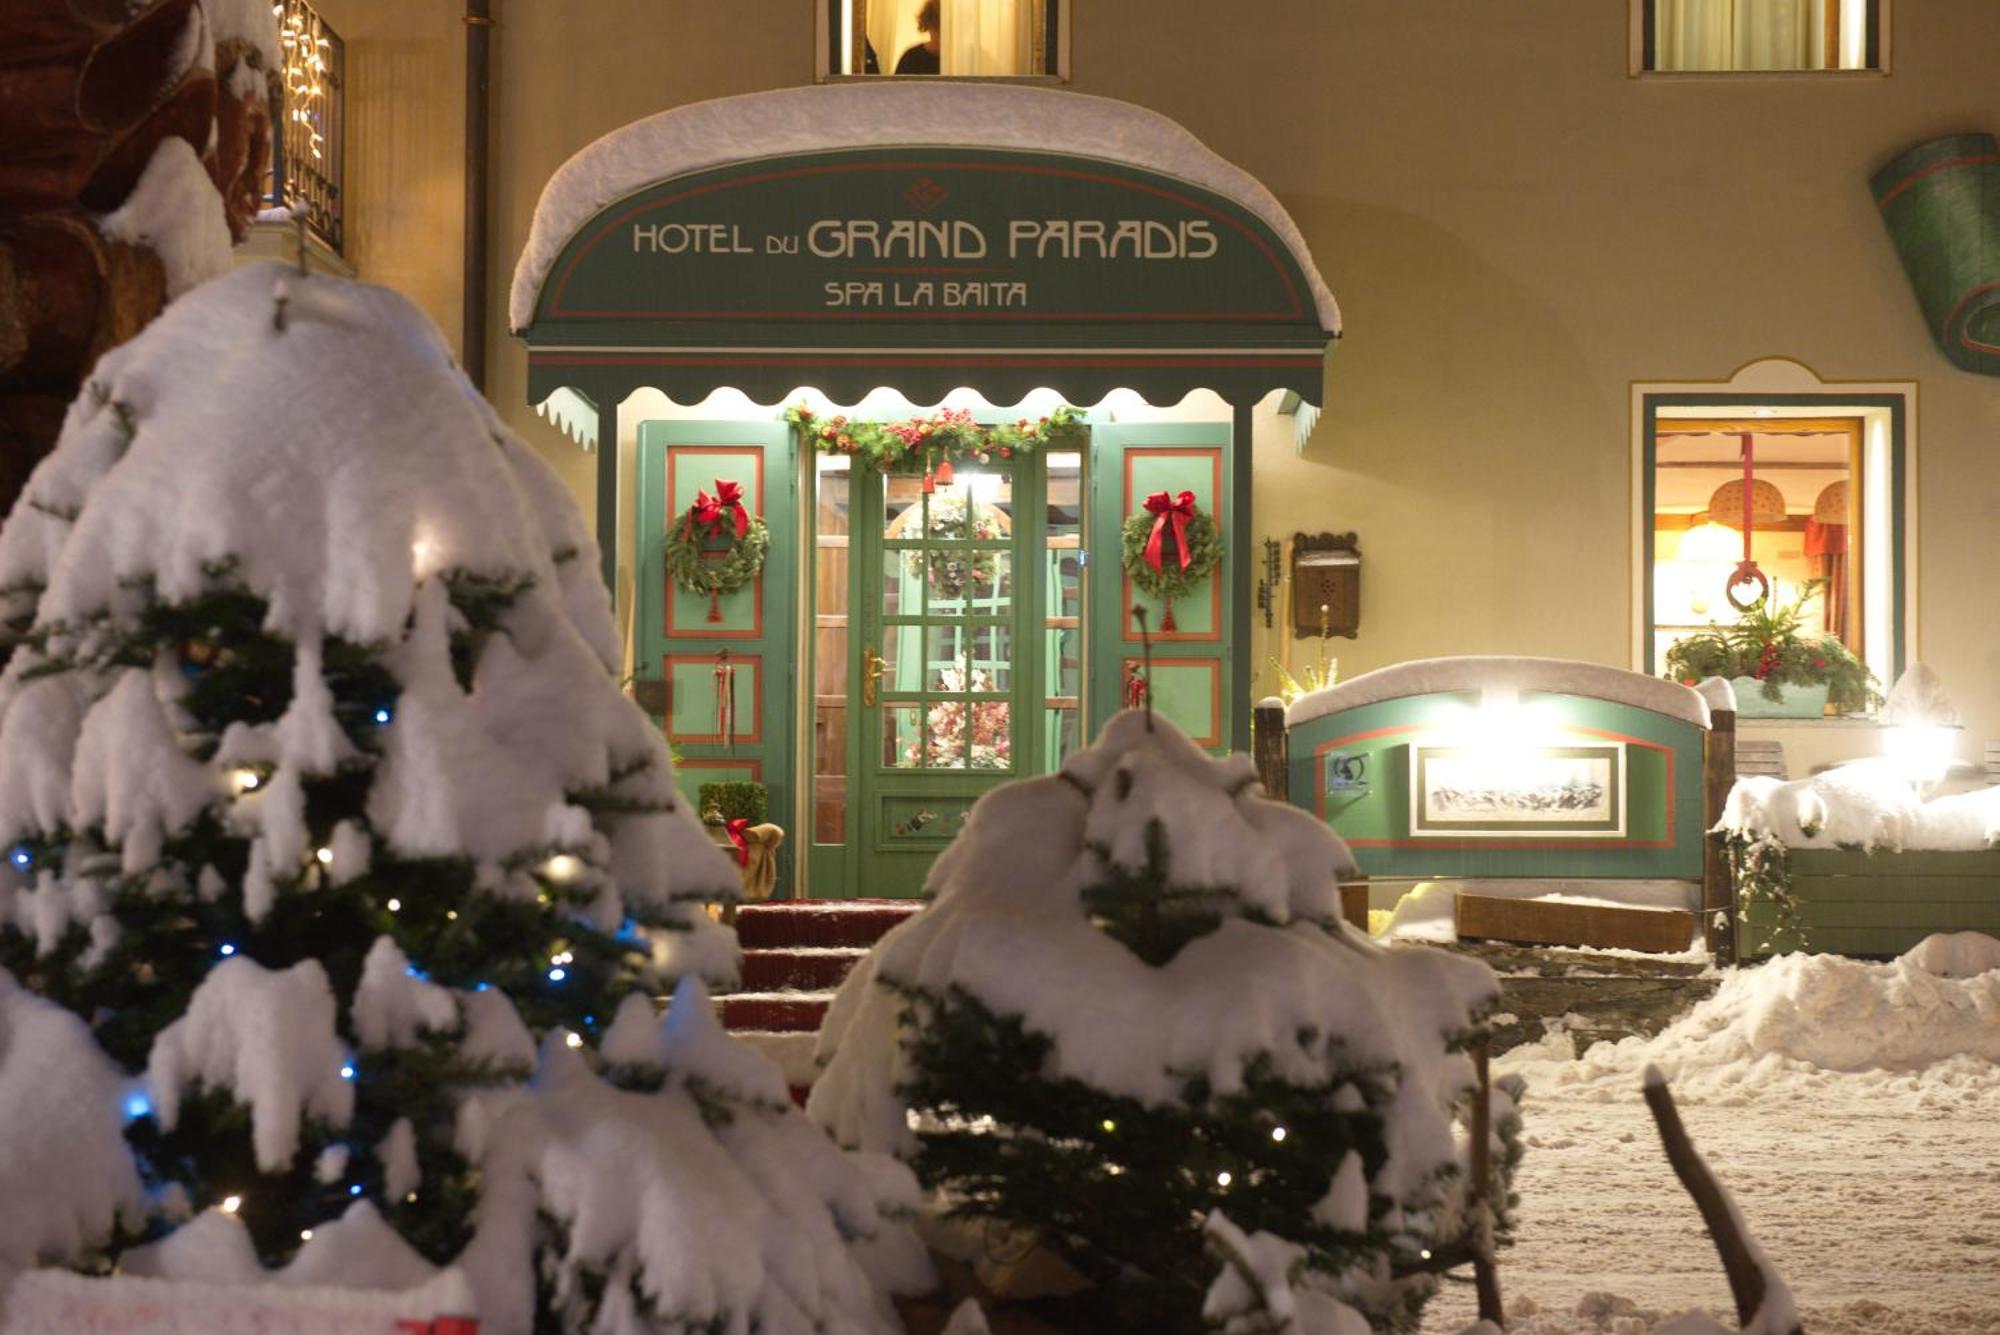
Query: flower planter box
point(1857, 903)
point(1793, 701)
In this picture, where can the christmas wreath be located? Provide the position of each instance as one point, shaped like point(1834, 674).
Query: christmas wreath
point(1169, 548)
point(952, 572)
point(718, 547)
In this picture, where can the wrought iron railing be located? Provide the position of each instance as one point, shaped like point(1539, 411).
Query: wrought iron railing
point(310, 149)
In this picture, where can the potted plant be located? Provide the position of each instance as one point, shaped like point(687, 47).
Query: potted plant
point(721, 803)
point(1778, 670)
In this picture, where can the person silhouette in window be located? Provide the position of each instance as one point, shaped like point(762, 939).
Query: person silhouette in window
point(922, 58)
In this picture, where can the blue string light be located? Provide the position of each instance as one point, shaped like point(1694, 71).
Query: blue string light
point(482, 987)
point(412, 971)
point(354, 1190)
point(22, 856)
point(382, 715)
point(226, 949)
point(137, 1105)
point(347, 1071)
point(557, 975)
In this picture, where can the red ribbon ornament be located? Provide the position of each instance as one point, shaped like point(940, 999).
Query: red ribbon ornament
point(735, 829)
point(729, 499)
point(1169, 509)
point(725, 507)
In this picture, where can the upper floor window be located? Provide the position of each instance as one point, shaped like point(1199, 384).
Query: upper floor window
point(1760, 36)
point(978, 39)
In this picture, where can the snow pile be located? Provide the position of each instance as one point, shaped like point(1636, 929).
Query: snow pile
point(53, 1302)
point(65, 1173)
point(1927, 1023)
point(204, 459)
point(1866, 804)
point(1482, 673)
point(1918, 699)
point(175, 212)
point(708, 1202)
point(1254, 1292)
point(269, 1037)
point(877, 114)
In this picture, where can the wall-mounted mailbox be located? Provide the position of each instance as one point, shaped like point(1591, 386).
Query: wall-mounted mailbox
point(1326, 574)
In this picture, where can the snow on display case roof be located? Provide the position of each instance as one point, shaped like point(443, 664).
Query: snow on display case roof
point(728, 130)
point(1483, 672)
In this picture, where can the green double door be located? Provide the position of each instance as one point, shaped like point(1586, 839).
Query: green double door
point(976, 632)
point(964, 651)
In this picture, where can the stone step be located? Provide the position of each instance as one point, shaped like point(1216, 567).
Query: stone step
point(774, 1012)
point(794, 969)
point(820, 923)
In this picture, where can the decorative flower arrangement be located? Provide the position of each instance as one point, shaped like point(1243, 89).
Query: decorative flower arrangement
point(990, 743)
point(922, 443)
point(718, 547)
point(952, 573)
point(1767, 644)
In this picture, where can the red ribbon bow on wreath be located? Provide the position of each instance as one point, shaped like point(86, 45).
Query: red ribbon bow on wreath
point(725, 507)
point(1177, 510)
point(735, 829)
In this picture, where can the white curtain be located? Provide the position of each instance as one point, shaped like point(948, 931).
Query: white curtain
point(1739, 34)
point(892, 30)
point(991, 37)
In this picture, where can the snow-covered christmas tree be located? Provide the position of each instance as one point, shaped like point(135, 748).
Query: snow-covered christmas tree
point(1131, 1028)
point(343, 869)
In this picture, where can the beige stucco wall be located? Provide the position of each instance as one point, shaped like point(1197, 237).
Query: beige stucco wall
point(1515, 228)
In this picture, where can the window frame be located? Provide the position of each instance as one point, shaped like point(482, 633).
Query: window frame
point(1640, 50)
point(1895, 401)
point(825, 66)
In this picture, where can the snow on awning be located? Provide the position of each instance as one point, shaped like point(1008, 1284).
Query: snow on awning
point(1493, 672)
point(925, 236)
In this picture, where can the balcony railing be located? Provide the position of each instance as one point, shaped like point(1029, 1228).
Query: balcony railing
point(310, 148)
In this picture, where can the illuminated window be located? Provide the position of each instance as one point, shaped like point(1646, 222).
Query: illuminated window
point(1757, 36)
point(1822, 478)
point(972, 39)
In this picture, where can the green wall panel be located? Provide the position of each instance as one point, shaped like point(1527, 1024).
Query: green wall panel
point(1663, 833)
point(1195, 669)
point(679, 645)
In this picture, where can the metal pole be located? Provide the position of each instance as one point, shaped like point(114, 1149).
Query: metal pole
point(478, 72)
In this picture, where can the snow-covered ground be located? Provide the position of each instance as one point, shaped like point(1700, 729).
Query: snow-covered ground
point(1865, 1161)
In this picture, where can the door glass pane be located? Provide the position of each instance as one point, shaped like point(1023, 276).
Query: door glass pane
point(944, 746)
point(955, 573)
point(902, 505)
point(1065, 499)
point(1060, 740)
point(902, 665)
point(831, 534)
point(991, 499)
point(897, 580)
point(992, 590)
point(992, 658)
point(992, 738)
point(902, 736)
point(944, 658)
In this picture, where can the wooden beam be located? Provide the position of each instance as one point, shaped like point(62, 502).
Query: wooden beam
point(1269, 750)
point(1718, 885)
point(1540, 922)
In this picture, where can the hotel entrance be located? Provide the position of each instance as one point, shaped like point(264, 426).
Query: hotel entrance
point(876, 478)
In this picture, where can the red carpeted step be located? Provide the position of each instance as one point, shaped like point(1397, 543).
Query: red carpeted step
point(820, 923)
point(797, 969)
point(784, 1012)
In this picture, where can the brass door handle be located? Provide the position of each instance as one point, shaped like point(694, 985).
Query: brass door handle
point(871, 676)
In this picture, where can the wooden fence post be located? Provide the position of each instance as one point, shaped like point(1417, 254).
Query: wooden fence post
point(1268, 747)
point(1718, 886)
